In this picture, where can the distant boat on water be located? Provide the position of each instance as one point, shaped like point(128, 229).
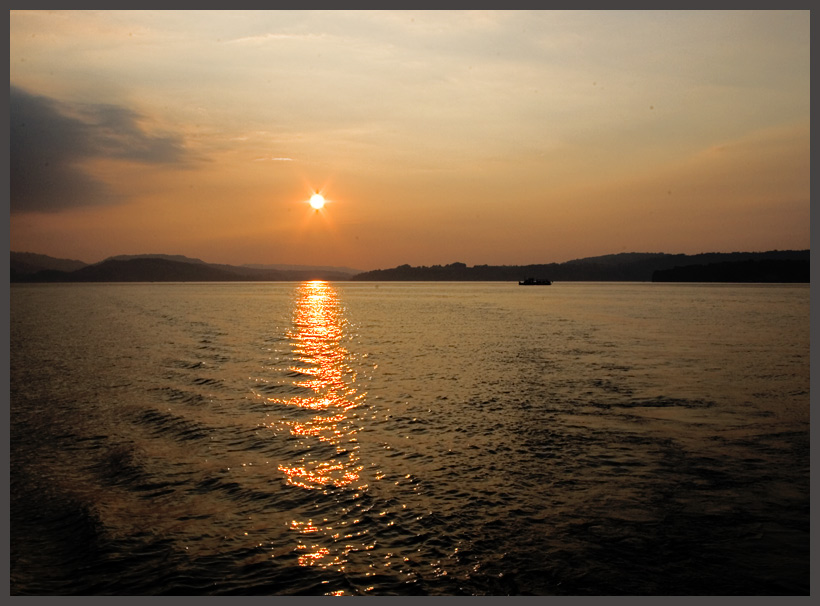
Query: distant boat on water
point(534, 282)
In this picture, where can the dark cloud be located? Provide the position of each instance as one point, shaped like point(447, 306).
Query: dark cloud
point(50, 140)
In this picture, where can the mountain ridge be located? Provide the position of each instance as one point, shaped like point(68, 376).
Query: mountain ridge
point(35, 267)
point(634, 267)
point(32, 267)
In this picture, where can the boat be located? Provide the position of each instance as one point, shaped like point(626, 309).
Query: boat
point(534, 282)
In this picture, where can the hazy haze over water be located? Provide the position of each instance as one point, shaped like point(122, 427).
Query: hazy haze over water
point(408, 438)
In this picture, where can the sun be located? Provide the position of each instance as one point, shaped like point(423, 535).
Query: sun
point(317, 201)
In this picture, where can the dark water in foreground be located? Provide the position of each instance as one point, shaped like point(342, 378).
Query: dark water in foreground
point(445, 439)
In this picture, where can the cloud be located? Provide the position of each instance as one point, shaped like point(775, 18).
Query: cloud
point(268, 37)
point(50, 141)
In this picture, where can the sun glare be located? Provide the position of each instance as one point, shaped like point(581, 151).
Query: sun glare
point(317, 201)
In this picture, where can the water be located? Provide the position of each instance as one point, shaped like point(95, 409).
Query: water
point(411, 439)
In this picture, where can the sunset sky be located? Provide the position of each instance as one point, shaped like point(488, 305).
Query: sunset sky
point(480, 137)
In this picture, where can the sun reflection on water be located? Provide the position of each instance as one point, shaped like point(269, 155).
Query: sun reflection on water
point(321, 365)
point(328, 448)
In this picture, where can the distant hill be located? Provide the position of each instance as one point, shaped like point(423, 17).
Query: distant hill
point(180, 258)
point(616, 259)
point(637, 267)
point(244, 267)
point(153, 268)
point(25, 263)
point(150, 270)
point(133, 270)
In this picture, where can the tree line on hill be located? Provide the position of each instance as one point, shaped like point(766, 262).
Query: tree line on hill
point(777, 266)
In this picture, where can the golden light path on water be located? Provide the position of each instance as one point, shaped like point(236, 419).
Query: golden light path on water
point(322, 369)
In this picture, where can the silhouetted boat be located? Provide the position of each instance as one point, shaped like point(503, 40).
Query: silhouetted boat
point(534, 282)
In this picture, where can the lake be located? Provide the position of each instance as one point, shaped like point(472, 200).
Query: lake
point(409, 439)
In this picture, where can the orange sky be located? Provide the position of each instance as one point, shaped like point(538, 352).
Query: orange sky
point(481, 137)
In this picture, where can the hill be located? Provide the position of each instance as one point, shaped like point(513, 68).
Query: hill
point(135, 270)
point(636, 267)
point(24, 263)
point(153, 268)
point(640, 267)
point(180, 258)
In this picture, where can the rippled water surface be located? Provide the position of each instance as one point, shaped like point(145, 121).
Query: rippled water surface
point(412, 439)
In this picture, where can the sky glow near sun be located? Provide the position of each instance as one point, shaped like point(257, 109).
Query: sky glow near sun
point(500, 137)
